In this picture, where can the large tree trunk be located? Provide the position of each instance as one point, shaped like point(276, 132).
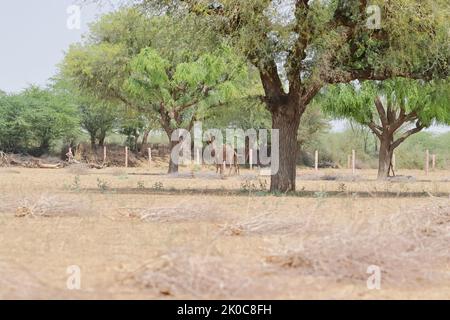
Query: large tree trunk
point(385, 157)
point(286, 119)
point(173, 167)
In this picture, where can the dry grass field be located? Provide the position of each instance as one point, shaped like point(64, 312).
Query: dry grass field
point(140, 234)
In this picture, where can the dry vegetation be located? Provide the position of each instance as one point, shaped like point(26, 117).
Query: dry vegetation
point(137, 233)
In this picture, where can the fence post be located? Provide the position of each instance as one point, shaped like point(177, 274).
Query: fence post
point(427, 162)
point(353, 161)
point(251, 159)
point(126, 157)
point(198, 157)
point(316, 160)
point(104, 154)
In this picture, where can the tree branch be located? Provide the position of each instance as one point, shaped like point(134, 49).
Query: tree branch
point(298, 53)
point(382, 112)
point(419, 127)
point(273, 88)
point(375, 129)
point(186, 106)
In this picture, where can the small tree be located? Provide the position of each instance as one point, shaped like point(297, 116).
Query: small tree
point(181, 89)
point(158, 67)
point(33, 119)
point(393, 110)
point(97, 118)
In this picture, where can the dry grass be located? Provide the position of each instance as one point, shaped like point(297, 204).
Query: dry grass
point(181, 212)
point(50, 206)
point(186, 273)
point(208, 245)
point(411, 247)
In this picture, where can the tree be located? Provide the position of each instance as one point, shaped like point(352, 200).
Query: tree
point(313, 123)
point(33, 119)
point(14, 130)
point(393, 110)
point(308, 44)
point(173, 76)
point(133, 125)
point(97, 118)
point(180, 89)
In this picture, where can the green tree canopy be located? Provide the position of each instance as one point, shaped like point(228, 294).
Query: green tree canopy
point(35, 118)
point(300, 46)
point(389, 108)
point(164, 71)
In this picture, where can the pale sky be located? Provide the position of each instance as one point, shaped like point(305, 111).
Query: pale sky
point(34, 36)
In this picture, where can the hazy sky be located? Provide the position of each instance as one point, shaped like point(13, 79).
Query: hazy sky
point(34, 36)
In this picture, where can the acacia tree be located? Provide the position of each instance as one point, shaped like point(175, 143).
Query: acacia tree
point(156, 67)
point(393, 110)
point(34, 119)
point(300, 46)
point(97, 118)
point(181, 88)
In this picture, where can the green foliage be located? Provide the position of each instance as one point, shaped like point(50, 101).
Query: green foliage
point(413, 38)
point(132, 125)
point(33, 120)
point(430, 100)
point(187, 88)
point(98, 119)
point(164, 69)
point(313, 124)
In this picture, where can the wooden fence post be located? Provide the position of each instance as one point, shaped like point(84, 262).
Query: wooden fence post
point(316, 161)
point(251, 159)
point(104, 154)
point(353, 161)
point(198, 157)
point(126, 157)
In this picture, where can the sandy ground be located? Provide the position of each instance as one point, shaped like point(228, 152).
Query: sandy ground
point(140, 234)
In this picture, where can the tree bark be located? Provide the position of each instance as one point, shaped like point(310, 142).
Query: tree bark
point(173, 167)
point(101, 139)
point(385, 156)
point(287, 120)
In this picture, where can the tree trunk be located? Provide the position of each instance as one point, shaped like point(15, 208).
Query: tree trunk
point(101, 139)
point(144, 145)
point(173, 167)
point(385, 157)
point(92, 141)
point(286, 119)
